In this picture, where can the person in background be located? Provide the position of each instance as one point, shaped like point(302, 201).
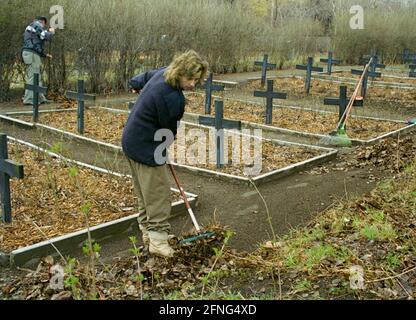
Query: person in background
point(35, 35)
point(160, 105)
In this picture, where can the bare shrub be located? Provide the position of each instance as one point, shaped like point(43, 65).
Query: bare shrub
point(107, 42)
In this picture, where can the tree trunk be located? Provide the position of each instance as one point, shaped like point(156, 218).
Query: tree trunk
point(273, 14)
point(4, 83)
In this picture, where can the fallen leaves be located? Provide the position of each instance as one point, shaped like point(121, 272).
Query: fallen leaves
point(392, 153)
point(121, 281)
point(47, 203)
point(295, 87)
point(106, 126)
point(299, 120)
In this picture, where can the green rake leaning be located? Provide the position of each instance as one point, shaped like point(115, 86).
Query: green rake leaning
point(339, 137)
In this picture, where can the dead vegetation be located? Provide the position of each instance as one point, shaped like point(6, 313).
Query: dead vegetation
point(51, 199)
point(359, 249)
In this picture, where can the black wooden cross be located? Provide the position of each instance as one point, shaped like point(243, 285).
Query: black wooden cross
point(270, 95)
point(409, 57)
point(8, 169)
point(209, 87)
point(374, 65)
point(36, 91)
point(412, 72)
point(342, 101)
point(365, 79)
point(264, 65)
point(330, 61)
point(309, 69)
point(81, 97)
point(220, 124)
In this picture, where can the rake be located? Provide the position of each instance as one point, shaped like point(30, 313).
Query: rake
point(200, 235)
point(339, 137)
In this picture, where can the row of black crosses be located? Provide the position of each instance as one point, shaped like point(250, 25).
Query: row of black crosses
point(220, 123)
point(79, 96)
point(372, 72)
point(330, 61)
point(270, 95)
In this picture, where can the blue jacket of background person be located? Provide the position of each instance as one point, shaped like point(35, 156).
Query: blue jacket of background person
point(159, 106)
point(34, 38)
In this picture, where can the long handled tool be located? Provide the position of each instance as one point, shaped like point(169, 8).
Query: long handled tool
point(339, 136)
point(191, 213)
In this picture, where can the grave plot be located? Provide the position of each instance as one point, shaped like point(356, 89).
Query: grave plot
point(294, 87)
point(104, 127)
point(103, 124)
point(301, 121)
point(387, 78)
point(50, 205)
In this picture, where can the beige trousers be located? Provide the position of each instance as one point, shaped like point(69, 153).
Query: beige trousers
point(33, 65)
point(152, 188)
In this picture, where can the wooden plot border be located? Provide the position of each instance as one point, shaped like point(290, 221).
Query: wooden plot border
point(327, 153)
point(311, 138)
point(32, 254)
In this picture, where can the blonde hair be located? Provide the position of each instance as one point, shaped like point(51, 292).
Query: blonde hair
point(188, 65)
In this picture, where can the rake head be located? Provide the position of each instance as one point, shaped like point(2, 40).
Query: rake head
point(337, 138)
point(197, 237)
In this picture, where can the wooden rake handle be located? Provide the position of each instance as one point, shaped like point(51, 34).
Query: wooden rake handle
point(185, 199)
point(348, 109)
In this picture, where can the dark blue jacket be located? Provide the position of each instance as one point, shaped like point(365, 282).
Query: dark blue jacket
point(159, 106)
point(34, 38)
